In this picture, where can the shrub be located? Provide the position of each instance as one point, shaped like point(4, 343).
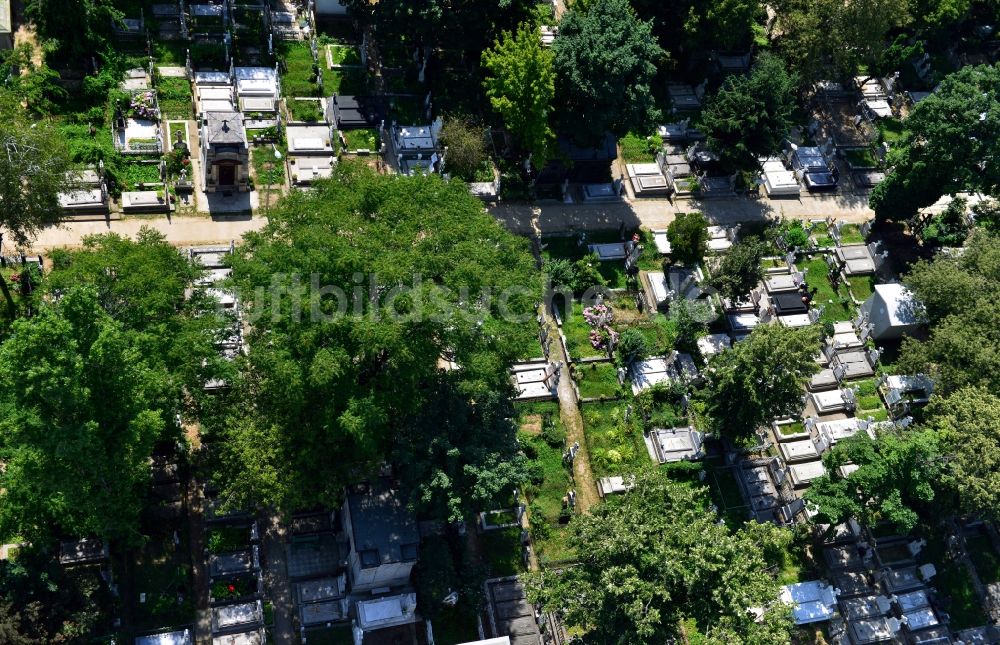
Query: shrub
point(688, 237)
point(553, 432)
point(632, 347)
point(796, 236)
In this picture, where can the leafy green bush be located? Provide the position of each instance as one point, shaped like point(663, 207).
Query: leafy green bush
point(631, 347)
point(553, 432)
point(227, 539)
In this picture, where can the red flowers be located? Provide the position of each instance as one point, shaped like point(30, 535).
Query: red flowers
point(232, 588)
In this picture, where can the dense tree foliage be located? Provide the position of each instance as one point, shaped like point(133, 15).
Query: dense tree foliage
point(688, 237)
point(75, 29)
point(896, 479)
point(142, 284)
point(605, 62)
point(950, 145)
point(42, 603)
point(459, 24)
point(466, 147)
point(33, 166)
point(658, 555)
point(688, 28)
point(760, 378)
point(959, 295)
point(968, 423)
point(832, 40)
point(326, 398)
point(81, 405)
point(749, 116)
point(520, 83)
point(740, 270)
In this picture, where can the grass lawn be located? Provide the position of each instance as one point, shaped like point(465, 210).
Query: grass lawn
point(174, 96)
point(773, 263)
point(891, 130)
point(597, 380)
point(985, 558)
point(660, 333)
point(169, 53)
point(616, 447)
point(577, 333)
point(502, 549)
point(545, 498)
point(308, 110)
point(861, 158)
point(821, 235)
point(837, 304)
point(265, 176)
point(791, 428)
point(350, 81)
point(869, 402)
point(636, 149)
point(298, 78)
point(365, 138)
point(851, 234)
point(345, 55)
point(861, 286)
point(136, 173)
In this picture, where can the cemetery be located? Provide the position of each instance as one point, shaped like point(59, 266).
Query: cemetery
point(221, 109)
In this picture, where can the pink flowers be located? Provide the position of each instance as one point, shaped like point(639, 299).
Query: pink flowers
point(599, 317)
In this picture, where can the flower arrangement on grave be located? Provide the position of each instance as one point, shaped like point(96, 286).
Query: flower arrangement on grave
point(143, 105)
point(599, 318)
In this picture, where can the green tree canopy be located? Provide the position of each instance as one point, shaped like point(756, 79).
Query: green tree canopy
point(81, 405)
point(470, 25)
point(950, 145)
point(749, 116)
point(520, 83)
point(968, 422)
point(896, 479)
point(75, 29)
point(142, 285)
point(740, 270)
point(33, 170)
point(605, 62)
point(831, 39)
point(325, 397)
point(42, 602)
point(658, 555)
point(688, 237)
point(466, 143)
point(959, 295)
point(760, 379)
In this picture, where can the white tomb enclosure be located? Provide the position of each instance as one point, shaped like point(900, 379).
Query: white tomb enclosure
point(828, 433)
point(803, 474)
point(712, 344)
point(838, 400)
point(778, 181)
point(387, 612)
point(811, 602)
point(232, 616)
point(182, 637)
point(661, 241)
point(798, 451)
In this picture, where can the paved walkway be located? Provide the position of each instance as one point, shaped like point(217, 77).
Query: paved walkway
point(276, 579)
point(521, 218)
point(181, 231)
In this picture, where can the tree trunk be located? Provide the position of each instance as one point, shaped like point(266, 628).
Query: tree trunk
point(11, 305)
